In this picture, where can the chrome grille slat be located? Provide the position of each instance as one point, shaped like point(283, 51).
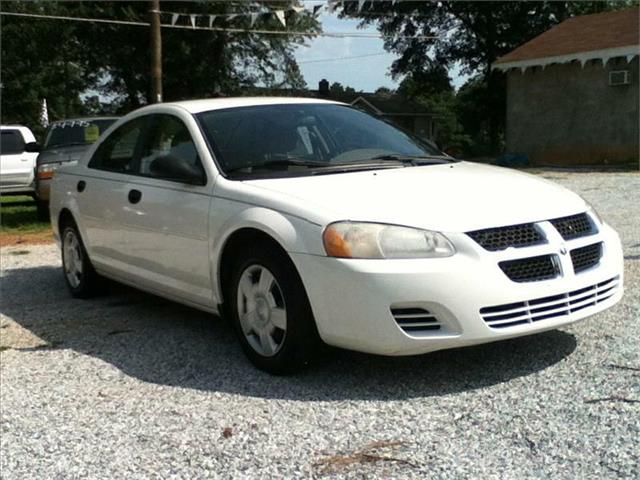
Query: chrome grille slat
point(601, 288)
point(420, 324)
point(411, 316)
point(556, 305)
point(523, 317)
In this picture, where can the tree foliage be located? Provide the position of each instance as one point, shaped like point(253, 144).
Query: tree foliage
point(336, 88)
point(61, 60)
point(472, 35)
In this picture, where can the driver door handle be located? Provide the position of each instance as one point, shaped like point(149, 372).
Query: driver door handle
point(135, 196)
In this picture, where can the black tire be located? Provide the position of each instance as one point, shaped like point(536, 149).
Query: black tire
point(300, 342)
point(87, 283)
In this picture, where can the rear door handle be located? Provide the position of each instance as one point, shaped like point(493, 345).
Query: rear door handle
point(135, 196)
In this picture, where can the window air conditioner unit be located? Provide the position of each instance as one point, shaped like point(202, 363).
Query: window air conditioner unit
point(619, 77)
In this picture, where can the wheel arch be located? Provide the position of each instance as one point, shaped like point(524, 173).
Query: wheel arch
point(65, 217)
point(286, 233)
point(234, 243)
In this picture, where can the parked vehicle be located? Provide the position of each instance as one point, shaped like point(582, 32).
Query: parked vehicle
point(65, 142)
point(304, 220)
point(18, 154)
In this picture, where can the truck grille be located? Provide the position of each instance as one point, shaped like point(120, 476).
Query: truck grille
point(532, 269)
point(511, 314)
point(415, 320)
point(586, 257)
point(574, 226)
point(500, 238)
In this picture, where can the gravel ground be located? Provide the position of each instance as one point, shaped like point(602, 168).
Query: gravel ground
point(132, 386)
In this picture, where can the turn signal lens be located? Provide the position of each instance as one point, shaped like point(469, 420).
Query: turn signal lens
point(45, 175)
point(334, 244)
point(46, 172)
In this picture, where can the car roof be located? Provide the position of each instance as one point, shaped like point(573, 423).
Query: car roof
point(14, 127)
point(84, 119)
point(197, 106)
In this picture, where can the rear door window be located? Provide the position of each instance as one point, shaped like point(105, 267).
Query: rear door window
point(11, 142)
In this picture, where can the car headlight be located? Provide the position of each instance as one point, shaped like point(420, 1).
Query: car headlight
point(376, 240)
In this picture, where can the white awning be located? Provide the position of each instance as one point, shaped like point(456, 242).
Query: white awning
point(583, 57)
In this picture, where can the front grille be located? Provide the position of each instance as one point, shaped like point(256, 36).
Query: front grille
point(511, 314)
point(500, 238)
point(586, 257)
point(532, 269)
point(415, 320)
point(574, 226)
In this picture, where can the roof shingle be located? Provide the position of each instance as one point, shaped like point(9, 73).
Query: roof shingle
point(581, 34)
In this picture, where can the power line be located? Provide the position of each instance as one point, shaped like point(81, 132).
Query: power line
point(343, 58)
point(218, 29)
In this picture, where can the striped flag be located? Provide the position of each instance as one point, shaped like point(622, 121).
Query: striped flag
point(44, 113)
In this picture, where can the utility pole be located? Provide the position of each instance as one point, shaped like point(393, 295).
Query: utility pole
point(156, 52)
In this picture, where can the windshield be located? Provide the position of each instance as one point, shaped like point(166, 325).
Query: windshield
point(299, 137)
point(75, 132)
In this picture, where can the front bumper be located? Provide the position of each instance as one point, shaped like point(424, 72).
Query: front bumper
point(352, 299)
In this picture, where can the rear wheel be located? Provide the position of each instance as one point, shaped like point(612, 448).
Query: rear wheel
point(271, 312)
point(79, 274)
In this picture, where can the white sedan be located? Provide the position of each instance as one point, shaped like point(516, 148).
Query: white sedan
point(305, 221)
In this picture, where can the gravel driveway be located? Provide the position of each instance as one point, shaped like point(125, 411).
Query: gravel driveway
point(133, 386)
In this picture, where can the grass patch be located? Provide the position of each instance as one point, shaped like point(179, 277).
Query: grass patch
point(19, 216)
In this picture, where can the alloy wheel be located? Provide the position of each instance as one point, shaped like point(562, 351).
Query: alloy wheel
point(72, 257)
point(262, 311)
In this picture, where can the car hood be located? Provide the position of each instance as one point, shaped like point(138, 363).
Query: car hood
point(454, 197)
point(62, 154)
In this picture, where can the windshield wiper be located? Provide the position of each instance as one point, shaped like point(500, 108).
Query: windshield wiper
point(290, 161)
point(280, 162)
point(414, 160)
point(62, 145)
point(358, 167)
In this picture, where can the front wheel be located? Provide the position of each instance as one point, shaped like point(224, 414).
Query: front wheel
point(271, 312)
point(79, 274)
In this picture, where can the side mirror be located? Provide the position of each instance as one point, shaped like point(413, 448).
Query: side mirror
point(32, 147)
point(178, 169)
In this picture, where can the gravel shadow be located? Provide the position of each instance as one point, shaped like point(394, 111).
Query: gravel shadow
point(162, 342)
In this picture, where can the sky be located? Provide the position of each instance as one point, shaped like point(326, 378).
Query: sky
point(366, 74)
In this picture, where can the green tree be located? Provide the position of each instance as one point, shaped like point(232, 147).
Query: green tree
point(384, 91)
point(40, 60)
point(60, 60)
point(336, 88)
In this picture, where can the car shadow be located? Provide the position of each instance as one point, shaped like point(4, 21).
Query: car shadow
point(165, 343)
